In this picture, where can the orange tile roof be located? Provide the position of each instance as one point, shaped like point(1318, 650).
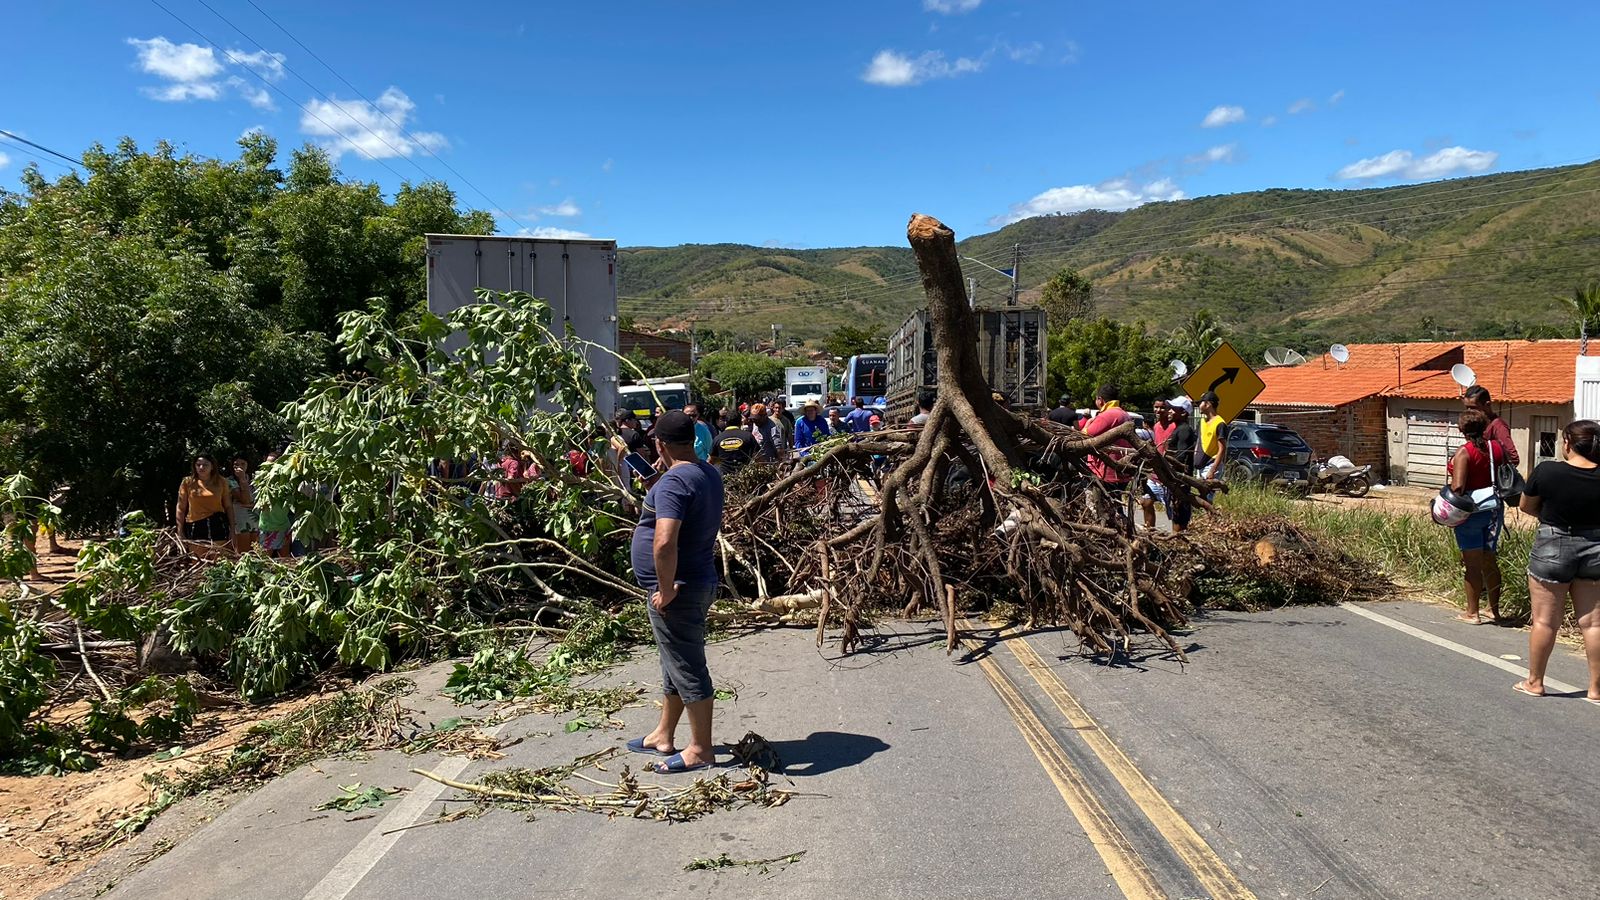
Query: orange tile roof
point(1516, 371)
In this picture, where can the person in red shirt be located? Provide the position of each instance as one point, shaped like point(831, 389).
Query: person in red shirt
point(1111, 414)
point(1477, 398)
point(1478, 537)
point(514, 473)
point(1154, 491)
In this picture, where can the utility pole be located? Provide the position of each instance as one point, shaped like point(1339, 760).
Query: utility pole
point(972, 291)
point(1016, 271)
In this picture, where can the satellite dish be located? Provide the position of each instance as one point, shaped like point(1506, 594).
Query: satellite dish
point(1340, 353)
point(1293, 358)
point(1277, 356)
point(1463, 375)
point(1179, 369)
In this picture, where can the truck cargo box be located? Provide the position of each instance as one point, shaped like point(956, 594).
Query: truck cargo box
point(577, 277)
point(1012, 355)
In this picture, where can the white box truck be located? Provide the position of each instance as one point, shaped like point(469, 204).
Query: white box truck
point(803, 384)
point(577, 277)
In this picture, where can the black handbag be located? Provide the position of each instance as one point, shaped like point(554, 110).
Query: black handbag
point(1508, 483)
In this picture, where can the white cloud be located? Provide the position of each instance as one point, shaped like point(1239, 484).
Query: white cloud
point(1403, 164)
point(372, 130)
point(565, 209)
point(1116, 194)
point(255, 96)
point(1304, 104)
point(253, 129)
point(4, 160)
point(1223, 115)
point(1269, 121)
point(1451, 160)
point(951, 7)
point(1337, 96)
point(176, 93)
point(1222, 153)
point(893, 69)
point(1024, 53)
point(546, 231)
point(1071, 53)
point(176, 62)
point(193, 72)
point(265, 63)
point(607, 165)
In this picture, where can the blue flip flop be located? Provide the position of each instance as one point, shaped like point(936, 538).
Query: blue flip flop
point(637, 745)
point(674, 765)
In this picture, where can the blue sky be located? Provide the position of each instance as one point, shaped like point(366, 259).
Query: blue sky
point(821, 124)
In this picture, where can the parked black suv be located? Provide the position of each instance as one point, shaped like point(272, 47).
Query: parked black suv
point(1270, 453)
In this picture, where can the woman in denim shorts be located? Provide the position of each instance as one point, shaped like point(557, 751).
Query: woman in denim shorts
point(1478, 538)
point(1565, 560)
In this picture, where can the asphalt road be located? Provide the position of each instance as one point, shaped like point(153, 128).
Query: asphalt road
point(1308, 752)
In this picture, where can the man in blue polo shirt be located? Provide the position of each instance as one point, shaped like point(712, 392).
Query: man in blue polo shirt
point(859, 421)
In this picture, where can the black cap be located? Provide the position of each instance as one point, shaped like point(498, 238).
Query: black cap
point(675, 427)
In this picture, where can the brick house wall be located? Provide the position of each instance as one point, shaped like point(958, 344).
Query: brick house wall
point(1358, 430)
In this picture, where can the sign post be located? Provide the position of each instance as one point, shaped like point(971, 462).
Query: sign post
point(1227, 374)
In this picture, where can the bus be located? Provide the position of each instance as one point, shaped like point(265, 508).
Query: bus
point(866, 376)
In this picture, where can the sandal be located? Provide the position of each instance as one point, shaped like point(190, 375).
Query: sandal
point(1521, 687)
point(674, 765)
point(637, 745)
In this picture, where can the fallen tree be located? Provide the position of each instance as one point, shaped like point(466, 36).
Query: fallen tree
point(979, 505)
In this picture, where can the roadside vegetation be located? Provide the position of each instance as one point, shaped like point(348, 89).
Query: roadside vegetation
point(1406, 546)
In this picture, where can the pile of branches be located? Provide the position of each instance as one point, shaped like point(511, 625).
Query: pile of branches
point(978, 505)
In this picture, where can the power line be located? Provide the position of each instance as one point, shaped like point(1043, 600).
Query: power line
point(403, 131)
point(259, 77)
point(22, 140)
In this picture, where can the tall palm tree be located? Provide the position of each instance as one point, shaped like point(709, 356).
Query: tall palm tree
point(1196, 338)
point(1585, 301)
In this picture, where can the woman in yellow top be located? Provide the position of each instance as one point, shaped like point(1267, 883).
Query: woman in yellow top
point(205, 504)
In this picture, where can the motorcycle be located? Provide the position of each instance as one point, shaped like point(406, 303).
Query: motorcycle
point(1340, 476)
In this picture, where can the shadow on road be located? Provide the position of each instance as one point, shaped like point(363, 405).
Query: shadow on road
point(826, 751)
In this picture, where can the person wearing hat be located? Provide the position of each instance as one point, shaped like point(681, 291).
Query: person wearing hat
point(765, 432)
point(673, 551)
point(809, 428)
point(1063, 414)
point(1175, 438)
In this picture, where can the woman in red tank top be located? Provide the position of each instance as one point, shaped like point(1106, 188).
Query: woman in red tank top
point(1478, 538)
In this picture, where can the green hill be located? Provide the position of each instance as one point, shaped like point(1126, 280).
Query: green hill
point(1471, 257)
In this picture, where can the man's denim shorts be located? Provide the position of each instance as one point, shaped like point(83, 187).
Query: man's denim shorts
point(1560, 556)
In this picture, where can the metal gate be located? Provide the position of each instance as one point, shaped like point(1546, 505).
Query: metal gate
point(1431, 440)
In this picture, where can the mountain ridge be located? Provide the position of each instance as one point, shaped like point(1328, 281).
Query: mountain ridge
point(1484, 256)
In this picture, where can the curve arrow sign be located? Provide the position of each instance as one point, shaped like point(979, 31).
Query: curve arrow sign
point(1227, 377)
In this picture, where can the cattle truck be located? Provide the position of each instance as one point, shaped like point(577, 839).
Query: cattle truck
point(576, 276)
point(1011, 355)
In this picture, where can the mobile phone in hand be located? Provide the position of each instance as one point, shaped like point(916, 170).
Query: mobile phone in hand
point(640, 466)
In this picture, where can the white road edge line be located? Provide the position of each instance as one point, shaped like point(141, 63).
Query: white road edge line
point(349, 871)
point(1468, 652)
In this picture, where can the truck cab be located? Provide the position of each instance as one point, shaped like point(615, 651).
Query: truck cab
point(805, 384)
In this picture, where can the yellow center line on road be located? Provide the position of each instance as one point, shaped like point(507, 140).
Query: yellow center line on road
point(1209, 868)
point(1132, 876)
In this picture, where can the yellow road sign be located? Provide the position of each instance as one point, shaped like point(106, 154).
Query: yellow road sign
point(1225, 372)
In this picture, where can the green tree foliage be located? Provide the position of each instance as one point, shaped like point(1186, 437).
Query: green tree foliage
point(1089, 353)
point(1585, 304)
point(171, 303)
point(853, 340)
point(1197, 337)
point(1068, 295)
point(746, 374)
